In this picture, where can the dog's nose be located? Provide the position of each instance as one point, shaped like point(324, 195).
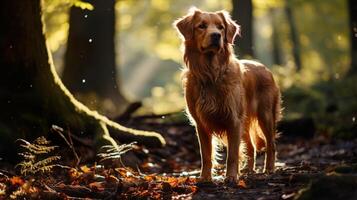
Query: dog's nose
point(215, 37)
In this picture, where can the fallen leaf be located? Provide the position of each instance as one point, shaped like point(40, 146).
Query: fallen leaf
point(193, 188)
point(85, 169)
point(16, 180)
point(191, 181)
point(242, 184)
point(150, 177)
point(2, 189)
point(124, 172)
point(112, 179)
point(173, 181)
point(98, 186)
point(74, 174)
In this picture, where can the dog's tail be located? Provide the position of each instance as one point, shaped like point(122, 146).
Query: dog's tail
point(277, 109)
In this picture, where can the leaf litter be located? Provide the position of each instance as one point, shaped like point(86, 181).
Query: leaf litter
point(171, 172)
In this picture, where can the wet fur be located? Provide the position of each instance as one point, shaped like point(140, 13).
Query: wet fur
point(230, 99)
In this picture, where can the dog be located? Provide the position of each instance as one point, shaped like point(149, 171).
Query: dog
point(227, 99)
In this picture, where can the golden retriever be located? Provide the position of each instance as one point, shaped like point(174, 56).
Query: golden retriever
point(227, 98)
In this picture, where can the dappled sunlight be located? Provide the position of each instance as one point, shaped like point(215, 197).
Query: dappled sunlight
point(284, 75)
point(161, 4)
point(56, 23)
point(313, 70)
point(166, 99)
point(103, 81)
point(167, 51)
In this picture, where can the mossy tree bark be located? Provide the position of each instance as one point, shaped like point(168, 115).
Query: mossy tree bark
point(90, 58)
point(31, 93)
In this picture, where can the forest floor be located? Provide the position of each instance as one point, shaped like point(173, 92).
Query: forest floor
point(170, 172)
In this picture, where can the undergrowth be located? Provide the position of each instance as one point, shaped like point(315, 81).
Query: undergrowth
point(36, 158)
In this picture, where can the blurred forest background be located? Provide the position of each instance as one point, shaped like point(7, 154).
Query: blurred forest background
point(122, 59)
point(307, 44)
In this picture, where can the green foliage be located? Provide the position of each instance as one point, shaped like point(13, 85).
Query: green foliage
point(83, 5)
point(56, 16)
point(36, 158)
point(332, 104)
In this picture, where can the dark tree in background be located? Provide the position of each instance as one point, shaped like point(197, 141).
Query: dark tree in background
point(276, 51)
point(352, 5)
point(32, 97)
point(293, 34)
point(243, 13)
point(90, 57)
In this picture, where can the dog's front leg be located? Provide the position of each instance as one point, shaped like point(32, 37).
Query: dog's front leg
point(232, 164)
point(205, 141)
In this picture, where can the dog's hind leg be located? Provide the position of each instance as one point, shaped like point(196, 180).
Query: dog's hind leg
point(267, 124)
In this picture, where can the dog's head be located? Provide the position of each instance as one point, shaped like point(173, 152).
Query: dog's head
point(209, 31)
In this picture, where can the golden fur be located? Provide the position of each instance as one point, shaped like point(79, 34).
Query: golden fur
point(227, 98)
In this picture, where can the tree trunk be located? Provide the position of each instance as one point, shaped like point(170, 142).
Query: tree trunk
point(294, 36)
point(33, 97)
point(243, 14)
point(90, 67)
point(275, 38)
point(352, 5)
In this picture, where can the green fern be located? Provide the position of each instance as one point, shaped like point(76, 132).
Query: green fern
point(35, 156)
point(115, 152)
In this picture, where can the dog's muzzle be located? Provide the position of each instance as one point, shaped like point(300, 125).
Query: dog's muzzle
point(215, 39)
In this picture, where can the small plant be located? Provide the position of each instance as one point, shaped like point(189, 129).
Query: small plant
point(36, 158)
point(115, 152)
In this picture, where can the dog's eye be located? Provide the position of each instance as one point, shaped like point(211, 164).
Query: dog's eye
point(202, 26)
point(220, 27)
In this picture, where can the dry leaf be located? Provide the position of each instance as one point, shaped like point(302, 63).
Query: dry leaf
point(97, 186)
point(112, 179)
point(150, 177)
point(16, 180)
point(74, 174)
point(173, 181)
point(2, 189)
point(242, 184)
point(193, 188)
point(85, 169)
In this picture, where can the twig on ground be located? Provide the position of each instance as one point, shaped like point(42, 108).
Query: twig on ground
point(59, 130)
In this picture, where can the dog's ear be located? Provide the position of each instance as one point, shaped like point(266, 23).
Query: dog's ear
point(232, 28)
point(184, 25)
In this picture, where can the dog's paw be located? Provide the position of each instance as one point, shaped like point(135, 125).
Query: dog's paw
point(230, 181)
